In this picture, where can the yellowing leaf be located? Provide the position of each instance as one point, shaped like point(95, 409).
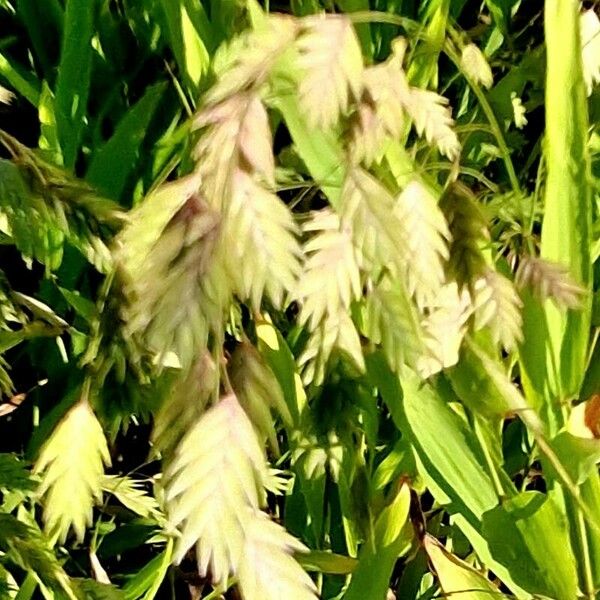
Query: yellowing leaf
point(457, 579)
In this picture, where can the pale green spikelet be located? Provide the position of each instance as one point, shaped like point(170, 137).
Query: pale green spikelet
point(215, 484)
point(170, 271)
point(330, 62)
point(498, 306)
point(71, 466)
point(329, 283)
point(258, 391)
point(475, 65)
point(425, 235)
point(186, 401)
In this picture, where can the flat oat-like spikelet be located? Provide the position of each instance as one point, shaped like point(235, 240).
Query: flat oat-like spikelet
point(391, 319)
point(329, 283)
point(235, 157)
point(215, 484)
point(432, 118)
point(258, 391)
point(71, 465)
point(330, 63)
point(549, 280)
point(425, 236)
point(169, 268)
point(498, 306)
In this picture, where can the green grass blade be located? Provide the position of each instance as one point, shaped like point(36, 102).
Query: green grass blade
point(375, 564)
point(423, 71)
point(319, 150)
point(185, 21)
point(73, 83)
point(43, 21)
point(48, 141)
point(363, 30)
point(529, 535)
point(147, 581)
point(113, 162)
point(21, 81)
point(568, 199)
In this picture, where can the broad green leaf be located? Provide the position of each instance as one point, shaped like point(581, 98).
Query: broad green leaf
point(393, 534)
point(319, 149)
point(131, 493)
point(532, 354)
point(445, 445)
point(83, 306)
point(327, 562)
point(482, 386)
point(27, 548)
point(73, 81)
point(44, 23)
point(89, 589)
point(529, 535)
point(446, 453)
point(399, 462)
point(591, 383)
point(579, 456)
point(501, 13)
point(48, 131)
point(423, 70)
point(14, 475)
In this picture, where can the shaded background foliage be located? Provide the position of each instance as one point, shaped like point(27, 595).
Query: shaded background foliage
point(108, 94)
